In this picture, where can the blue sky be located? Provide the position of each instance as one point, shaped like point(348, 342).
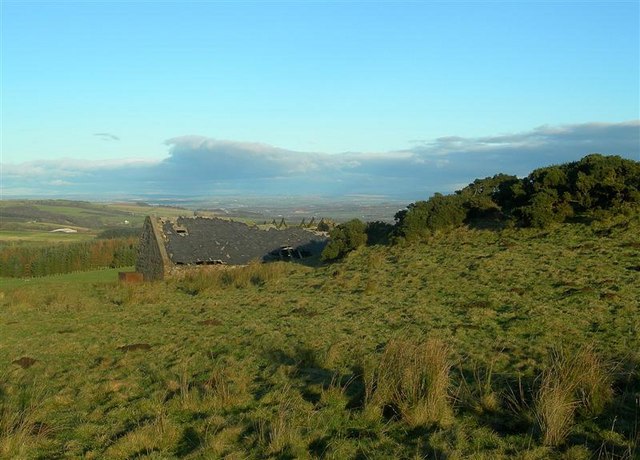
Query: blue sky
point(106, 84)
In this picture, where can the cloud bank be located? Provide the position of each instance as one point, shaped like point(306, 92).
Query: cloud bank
point(202, 166)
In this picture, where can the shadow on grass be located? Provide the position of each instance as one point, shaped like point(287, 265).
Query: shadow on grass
point(190, 440)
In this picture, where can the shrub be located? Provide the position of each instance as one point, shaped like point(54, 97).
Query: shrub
point(344, 238)
point(423, 218)
point(325, 225)
point(378, 232)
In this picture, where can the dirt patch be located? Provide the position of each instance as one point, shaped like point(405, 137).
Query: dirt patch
point(135, 346)
point(210, 322)
point(65, 331)
point(25, 362)
point(635, 268)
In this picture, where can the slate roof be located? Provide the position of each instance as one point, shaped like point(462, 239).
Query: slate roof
point(207, 240)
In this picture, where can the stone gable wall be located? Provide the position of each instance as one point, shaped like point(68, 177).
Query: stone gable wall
point(152, 260)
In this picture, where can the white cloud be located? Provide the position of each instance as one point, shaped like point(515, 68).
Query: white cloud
point(201, 165)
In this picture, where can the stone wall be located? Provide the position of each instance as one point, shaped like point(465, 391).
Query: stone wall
point(152, 261)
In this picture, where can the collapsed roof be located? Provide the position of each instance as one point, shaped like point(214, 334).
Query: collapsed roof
point(216, 241)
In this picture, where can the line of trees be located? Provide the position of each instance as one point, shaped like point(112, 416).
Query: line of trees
point(29, 261)
point(589, 189)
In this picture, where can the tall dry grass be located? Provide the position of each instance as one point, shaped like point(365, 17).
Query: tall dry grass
point(413, 378)
point(579, 381)
point(208, 279)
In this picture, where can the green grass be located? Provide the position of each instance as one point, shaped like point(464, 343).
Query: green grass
point(42, 238)
point(287, 361)
point(69, 280)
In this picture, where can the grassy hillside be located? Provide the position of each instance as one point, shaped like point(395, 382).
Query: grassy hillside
point(69, 280)
point(520, 343)
point(40, 216)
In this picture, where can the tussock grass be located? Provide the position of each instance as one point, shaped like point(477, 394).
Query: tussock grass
point(477, 392)
point(555, 406)
point(413, 377)
point(377, 260)
point(573, 381)
point(594, 379)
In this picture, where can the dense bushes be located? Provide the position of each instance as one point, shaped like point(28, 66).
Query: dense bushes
point(592, 187)
point(27, 261)
point(378, 232)
point(345, 238)
point(424, 217)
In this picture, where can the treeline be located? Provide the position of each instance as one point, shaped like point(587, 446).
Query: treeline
point(25, 261)
point(589, 189)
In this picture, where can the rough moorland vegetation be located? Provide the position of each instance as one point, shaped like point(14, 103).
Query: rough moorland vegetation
point(474, 343)
point(501, 324)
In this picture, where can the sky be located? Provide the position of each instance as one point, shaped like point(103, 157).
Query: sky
point(117, 98)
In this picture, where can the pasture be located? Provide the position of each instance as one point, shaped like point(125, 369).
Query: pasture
point(518, 343)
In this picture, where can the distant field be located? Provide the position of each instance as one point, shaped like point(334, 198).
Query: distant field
point(472, 344)
point(42, 238)
point(44, 215)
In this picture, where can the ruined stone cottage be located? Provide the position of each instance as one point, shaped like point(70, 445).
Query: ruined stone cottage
point(167, 246)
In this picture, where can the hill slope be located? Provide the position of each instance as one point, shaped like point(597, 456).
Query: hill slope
point(289, 362)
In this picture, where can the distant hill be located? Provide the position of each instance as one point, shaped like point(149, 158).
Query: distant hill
point(46, 215)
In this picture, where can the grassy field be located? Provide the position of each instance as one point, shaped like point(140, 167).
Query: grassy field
point(70, 280)
point(473, 344)
point(42, 238)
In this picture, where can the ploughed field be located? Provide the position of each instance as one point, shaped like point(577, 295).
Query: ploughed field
point(518, 343)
